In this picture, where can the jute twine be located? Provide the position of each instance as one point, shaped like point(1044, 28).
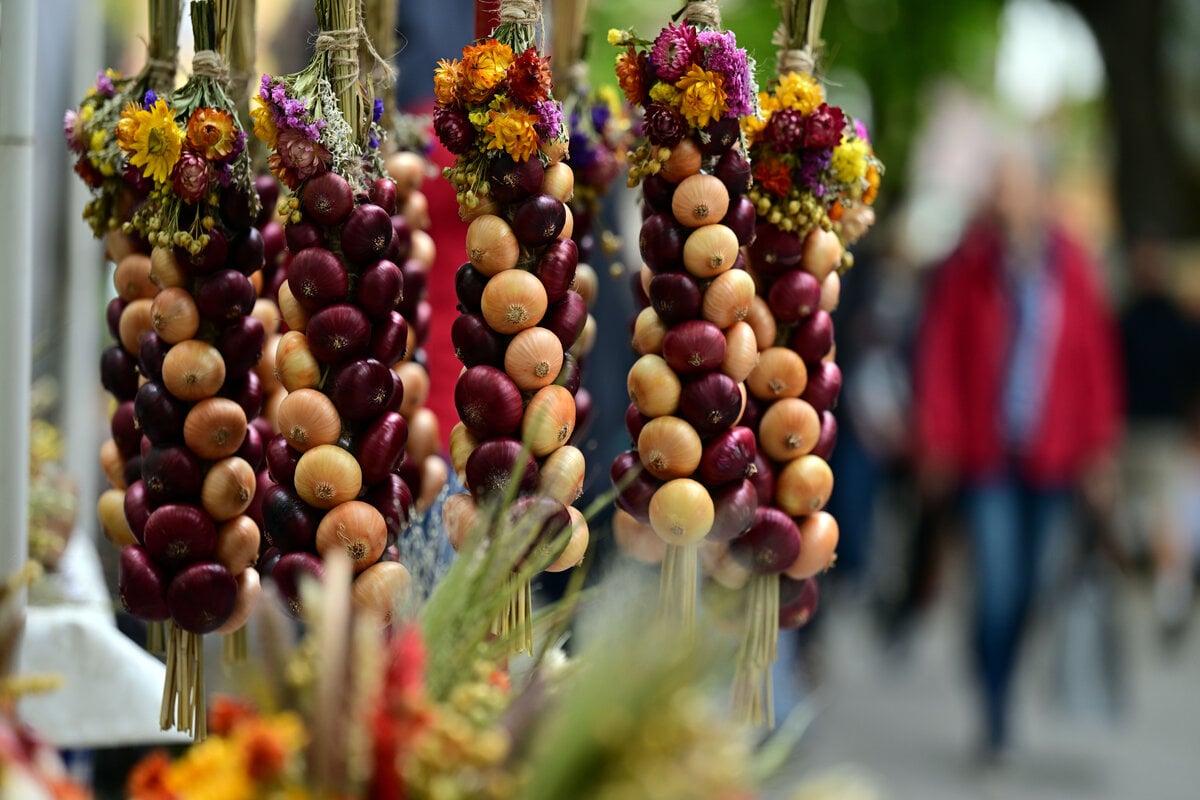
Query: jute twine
point(521, 12)
point(210, 64)
point(342, 45)
point(161, 72)
point(802, 61)
point(703, 14)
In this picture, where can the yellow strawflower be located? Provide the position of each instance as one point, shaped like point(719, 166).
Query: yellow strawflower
point(849, 163)
point(801, 92)
point(156, 143)
point(703, 96)
point(512, 131)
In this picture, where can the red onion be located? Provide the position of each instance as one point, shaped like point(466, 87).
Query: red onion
point(159, 415)
point(556, 268)
point(327, 199)
point(639, 292)
point(179, 534)
point(657, 193)
point(740, 218)
point(583, 416)
point(711, 402)
point(281, 460)
point(247, 256)
point(734, 171)
point(171, 474)
point(694, 346)
point(661, 242)
point(137, 509)
point(211, 258)
point(125, 431)
point(338, 334)
point(151, 352)
point(409, 471)
point(728, 456)
point(735, 506)
point(566, 318)
point(389, 339)
point(118, 373)
point(235, 208)
point(366, 234)
point(827, 440)
point(132, 470)
point(488, 402)
point(813, 337)
point(494, 464)
point(317, 278)
point(475, 343)
point(423, 319)
point(675, 297)
point(202, 597)
point(252, 449)
point(112, 316)
point(142, 585)
point(225, 295)
point(824, 385)
point(380, 446)
point(771, 544)
point(263, 484)
point(415, 280)
point(538, 220)
point(634, 421)
point(763, 479)
point(401, 246)
point(300, 236)
point(720, 135)
point(794, 296)
point(274, 242)
point(570, 376)
point(393, 499)
point(551, 519)
point(468, 288)
point(288, 522)
point(635, 486)
point(774, 251)
point(361, 389)
point(246, 391)
point(290, 572)
point(380, 288)
point(512, 180)
point(241, 346)
point(798, 601)
point(382, 192)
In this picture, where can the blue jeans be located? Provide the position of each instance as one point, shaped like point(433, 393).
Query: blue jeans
point(1011, 525)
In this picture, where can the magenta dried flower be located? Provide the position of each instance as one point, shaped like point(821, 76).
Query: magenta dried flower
point(190, 177)
point(824, 127)
point(786, 130)
point(453, 129)
point(674, 51)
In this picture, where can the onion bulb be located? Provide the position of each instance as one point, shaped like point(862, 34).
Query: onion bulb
point(683, 162)
point(307, 418)
point(649, 332)
point(681, 512)
point(653, 386)
point(636, 540)
point(290, 309)
point(803, 485)
point(728, 298)
point(136, 320)
point(710, 251)
point(818, 546)
point(238, 540)
point(572, 555)
point(462, 443)
point(822, 252)
point(459, 517)
point(533, 358)
point(249, 590)
point(549, 420)
point(741, 351)
point(789, 429)
point(193, 370)
point(561, 475)
point(131, 278)
point(356, 528)
point(328, 475)
point(513, 301)
point(669, 448)
point(700, 200)
point(762, 321)
point(295, 365)
point(491, 245)
point(381, 588)
point(215, 428)
point(174, 315)
point(228, 489)
point(111, 510)
point(780, 373)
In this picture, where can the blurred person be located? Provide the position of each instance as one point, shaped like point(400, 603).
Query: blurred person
point(1017, 406)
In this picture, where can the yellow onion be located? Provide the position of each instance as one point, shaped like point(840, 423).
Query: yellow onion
point(356, 528)
point(636, 540)
point(433, 477)
point(117, 245)
point(487, 206)
point(249, 589)
point(110, 508)
point(492, 246)
point(586, 283)
point(132, 277)
point(266, 312)
point(587, 339)
point(513, 300)
point(728, 298)
point(789, 429)
point(328, 475)
point(780, 373)
point(831, 292)
point(238, 540)
point(407, 169)
point(762, 321)
point(265, 368)
point(459, 517)
point(818, 546)
point(549, 420)
point(270, 409)
point(700, 199)
point(559, 181)
point(741, 351)
point(422, 249)
point(722, 567)
point(215, 428)
point(568, 227)
point(669, 448)
point(561, 475)
point(533, 359)
point(577, 545)
point(555, 150)
point(416, 386)
point(653, 386)
point(822, 252)
point(646, 275)
point(174, 315)
point(136, 320)
point(683, 162)
point(681, 512)
point(422, 435)
point(165, 270)
point(648, 332)
point(381, 588)
point(416, 212)
point(462, 444)
point(193, 370)
point(710, 250)
point(112, 464)
point(228, 488)
point(307, 419)
point(803, 485)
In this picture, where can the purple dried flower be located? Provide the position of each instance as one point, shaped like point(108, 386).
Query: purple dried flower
point(453, 129)
point(150, 98)
point(673, 51)
point(663, 125)
point(377, 111)
point(190, 177)
point(860, 130)
point(721, 54)
point(299, 155)
point(812, 164)
point(824, 126)
point(785, 130)
point(550, 119)
point(373, 141)
point(104, 85)
point(601, 114)
point(71, 131)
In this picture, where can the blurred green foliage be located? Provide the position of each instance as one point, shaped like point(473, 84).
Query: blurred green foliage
point(897, 47)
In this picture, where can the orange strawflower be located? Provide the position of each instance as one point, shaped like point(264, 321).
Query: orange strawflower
point(484, 67)
point(148, 780)
point(631, 75)
point(512, 131)
point(773, 175)
point(446, 81)
point(227, 713)
point(872, 190)
point(211, 132)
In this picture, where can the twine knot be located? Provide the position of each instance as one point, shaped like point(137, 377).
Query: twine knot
point(209, 64)
point(162, 71)
point(520, 12)
point(802, 61)
point(342, 45)
point(703, 14)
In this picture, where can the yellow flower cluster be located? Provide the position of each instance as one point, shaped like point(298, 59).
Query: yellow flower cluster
point(850, 160)
point(512, 131)
point(484, 67)
point(152, 139)
point(701, 96)
point(265, 128)
point(795, 91)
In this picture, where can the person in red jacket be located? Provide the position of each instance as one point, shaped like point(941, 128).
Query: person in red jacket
point(1016, 396)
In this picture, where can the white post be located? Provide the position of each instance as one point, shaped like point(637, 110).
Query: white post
point(17, 41)
point(82, 418)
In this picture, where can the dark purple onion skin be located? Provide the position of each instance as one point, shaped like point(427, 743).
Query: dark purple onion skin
point(634, 422)
point(661, 243)
point(263, 484)
point(794, 296)
point(132, 470)
point(468, 288)
point(813, 337)
point(383, 194)
point(633, 484)
point(511, 180)
point(118, 373)
point(361, 390)
point(570, 376)
point(338, 334)
point(583, 416)
point(827, 439)
point(210, 259)
point(551, 518)
point(752, 415)
point(249, 252)
point(300, 236)
point(235, 209)
point(288, 522)
point(125, 431)
point(763, 479)
point(824, 386)
point(735, 506)
point(566, 318)
point(178, 534)
point(586, 242)
point(112, 316)
point(401, 247)
point(675, 297)
point(488, 402)
point(317, 278)
point(798, 601)
point(397, 393)
point(142, 585)
point(274, 243)
point(151, 352)
point(416, 279)
point(556, 268)
point(539, 219)
point(740, 219)
point(494, 464)
point(246, 391)
point(389, 339)
point(657, 193)
point(268, 197)
point(137, 509)
point(694, 346)
point(734, 171)
point(159, 415)
point(327, 199)
point(282, 460)
point(409, 470)
point(267, 560)
point(225, 295)
point(711, 403)
point(202, 597)
point(367, 234)
point(251, 450)
point(380, 289)
point(266, 431)
point(290, 572)
point(475, 343)
point(774, 251)
point(380, 446)
point(423, 320)
point(722, 134)
point(171, 475)
point(241, 346)
point(392, 498)
point(770, 546)
point(728, 456)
